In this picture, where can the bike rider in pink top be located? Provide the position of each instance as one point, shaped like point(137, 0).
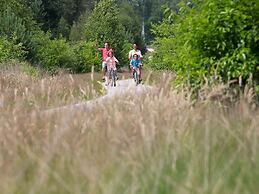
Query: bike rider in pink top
point(104, 51)
point(111, 61)
point(111, 65)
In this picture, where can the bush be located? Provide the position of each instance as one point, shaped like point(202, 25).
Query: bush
point(86, 57)
point(30, 70)
point(55, 54)
point(9, 50)
point(16, 21)
point(213, 39)
point(58, 53)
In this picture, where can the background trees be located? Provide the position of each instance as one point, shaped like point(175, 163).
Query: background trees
point(199, 40)
point(33, 23)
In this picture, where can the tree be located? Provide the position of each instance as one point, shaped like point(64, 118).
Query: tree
point(103, 25)
point(17, 24)
point(212, 39)
point(131, 22)
point(52, 13)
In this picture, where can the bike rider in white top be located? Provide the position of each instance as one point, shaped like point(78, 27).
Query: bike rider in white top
point(135, 51)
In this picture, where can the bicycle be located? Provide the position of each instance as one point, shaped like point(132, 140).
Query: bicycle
point(136, 75)
point(111, 74)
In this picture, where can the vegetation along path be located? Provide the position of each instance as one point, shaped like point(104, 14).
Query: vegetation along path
point(123, 87)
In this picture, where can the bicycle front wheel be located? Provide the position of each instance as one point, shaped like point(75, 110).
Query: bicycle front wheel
point(113, 78)
point(136, 78)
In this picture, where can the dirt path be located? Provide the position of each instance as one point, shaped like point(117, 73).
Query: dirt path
point(123, 87)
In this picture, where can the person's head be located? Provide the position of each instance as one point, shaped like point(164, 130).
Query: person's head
point(106, 45)
point(110, 54)
point(135, 56)
point(135, 46)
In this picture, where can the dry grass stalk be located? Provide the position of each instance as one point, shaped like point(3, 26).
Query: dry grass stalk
point(157, 142)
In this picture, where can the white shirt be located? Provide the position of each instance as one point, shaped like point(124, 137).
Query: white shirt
point(133, 52)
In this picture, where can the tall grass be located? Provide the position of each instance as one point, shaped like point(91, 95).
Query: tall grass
point(154, 143)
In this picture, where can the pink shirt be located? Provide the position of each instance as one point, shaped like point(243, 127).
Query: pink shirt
point(111, 62)
point(104, 52)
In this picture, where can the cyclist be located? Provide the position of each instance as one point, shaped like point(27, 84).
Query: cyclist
point(104, 52)
point(136, 51)
point(136, 64)
point(111, 62)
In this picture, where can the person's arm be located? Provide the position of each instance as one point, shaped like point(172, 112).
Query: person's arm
point(100, 49)
point(130, 55)
point(131, 63)
point(116, 60)
point(140, 55)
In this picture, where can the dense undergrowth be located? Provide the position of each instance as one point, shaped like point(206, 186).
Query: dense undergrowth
point(209, 41)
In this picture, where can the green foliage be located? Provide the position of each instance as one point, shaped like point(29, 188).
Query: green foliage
point(11, 23)
point(63, 28)
point(87, 56)
point(34, 23)
point(131, 22)
point(10, 50)
point(55, 54)
point(60, 54)
point(30, 70)
point(18, 8)
point(77, 29)
point(209, 39)
point(52, 54)
point(103, 22)
point(58, 12)
point(37, 9)
point(52, 13)
point(16, 21)
point(104, 25)
point(151, 11)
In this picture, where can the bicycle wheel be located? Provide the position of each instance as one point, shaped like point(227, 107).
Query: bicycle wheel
point(113, 78)
point(136, 77)
point(108, 76)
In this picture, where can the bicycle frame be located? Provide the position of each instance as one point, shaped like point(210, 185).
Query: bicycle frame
point(111, 74)
point(136, 75)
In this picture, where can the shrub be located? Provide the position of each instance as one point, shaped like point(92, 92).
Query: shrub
point(213, 39)
point(9, 50)
point(16, 21)
point(58, 53)
point(30, 70)
point(86, 57)
point(55, 54)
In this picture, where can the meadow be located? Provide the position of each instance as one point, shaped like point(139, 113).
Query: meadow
point(160, 142)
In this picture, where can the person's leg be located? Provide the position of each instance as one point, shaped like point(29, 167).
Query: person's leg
point(139, 74)
point(140, 78)
point(107, 77)
point(131, 70)
point(116, 76)
point(104, 69)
